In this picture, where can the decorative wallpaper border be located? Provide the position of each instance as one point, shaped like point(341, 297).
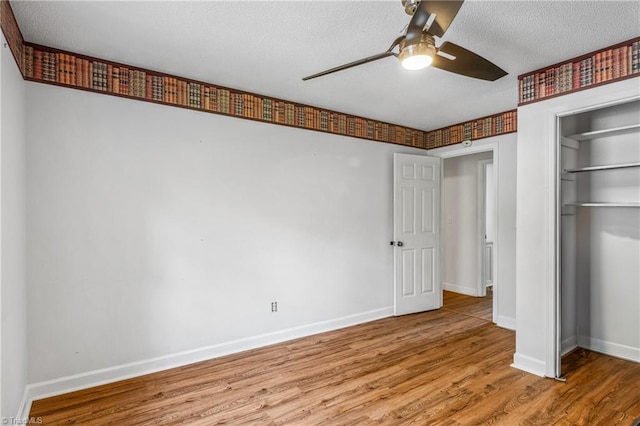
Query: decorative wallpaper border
point(53, 66)
point(12, 33)
point(480, 128)
point(608, 65)
point(62, 68)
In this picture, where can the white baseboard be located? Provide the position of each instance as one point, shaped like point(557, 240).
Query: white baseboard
point(25, 405)
point(103, 376)
point(506, 322)
point(537, 367)
point(568, 344)
point(460, 289)
point(609, 348)
point(528, 364)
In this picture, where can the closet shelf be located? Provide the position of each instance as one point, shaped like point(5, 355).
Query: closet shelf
point(615, 131)
point(609, 167)
point(594, 204)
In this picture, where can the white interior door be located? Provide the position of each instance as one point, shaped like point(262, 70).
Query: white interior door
point(416, 228)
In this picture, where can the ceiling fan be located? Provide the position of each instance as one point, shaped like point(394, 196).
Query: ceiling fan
point(417, 47)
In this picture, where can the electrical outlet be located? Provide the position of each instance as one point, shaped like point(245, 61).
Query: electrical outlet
point(274, 306)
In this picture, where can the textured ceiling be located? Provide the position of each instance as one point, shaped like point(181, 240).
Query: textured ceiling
point(266, 47)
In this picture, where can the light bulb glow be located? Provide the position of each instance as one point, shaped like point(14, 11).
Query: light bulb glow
point(417, 54)
point(417, 62)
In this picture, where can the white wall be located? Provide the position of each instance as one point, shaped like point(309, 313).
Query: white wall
point(506, 231)
point(13, 292)
point(461, 272)
point(504, 160)
point(536, 194)
point(159, 232)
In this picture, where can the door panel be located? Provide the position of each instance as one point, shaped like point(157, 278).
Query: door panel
point(428, 201)
point(408, 268)
point(408, 210)
point(417, 233)
point(428, 270)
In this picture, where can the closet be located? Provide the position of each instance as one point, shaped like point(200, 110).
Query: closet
point(599, 235)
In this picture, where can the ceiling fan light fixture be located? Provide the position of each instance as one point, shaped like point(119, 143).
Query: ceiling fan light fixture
point(416, 62)
point(418, 54)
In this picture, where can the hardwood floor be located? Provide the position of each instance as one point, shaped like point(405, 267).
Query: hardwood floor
point(445, 367)
point(481, 307)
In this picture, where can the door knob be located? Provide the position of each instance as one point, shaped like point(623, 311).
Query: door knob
point(400, 243)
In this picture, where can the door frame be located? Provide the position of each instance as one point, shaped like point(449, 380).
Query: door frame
point(474, 149)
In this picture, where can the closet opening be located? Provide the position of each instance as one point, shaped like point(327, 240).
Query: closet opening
point(598, 241)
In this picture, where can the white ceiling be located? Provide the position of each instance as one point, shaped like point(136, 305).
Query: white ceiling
point(266, 47)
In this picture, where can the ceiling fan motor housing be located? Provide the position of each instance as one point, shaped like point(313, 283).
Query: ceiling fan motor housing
point(410, 6)
point(423, 45)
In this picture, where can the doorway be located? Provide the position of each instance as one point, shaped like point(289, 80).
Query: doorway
point(468, 227)
point(470, 259)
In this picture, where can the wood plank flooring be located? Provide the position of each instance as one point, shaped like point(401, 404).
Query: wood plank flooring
point(445, 367)
point(481, 307)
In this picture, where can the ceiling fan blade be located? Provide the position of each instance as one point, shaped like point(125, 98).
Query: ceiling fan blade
point(445, 11)
point(418, 21)
point(350, 65)
point(466, 63)
point(358, 62)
